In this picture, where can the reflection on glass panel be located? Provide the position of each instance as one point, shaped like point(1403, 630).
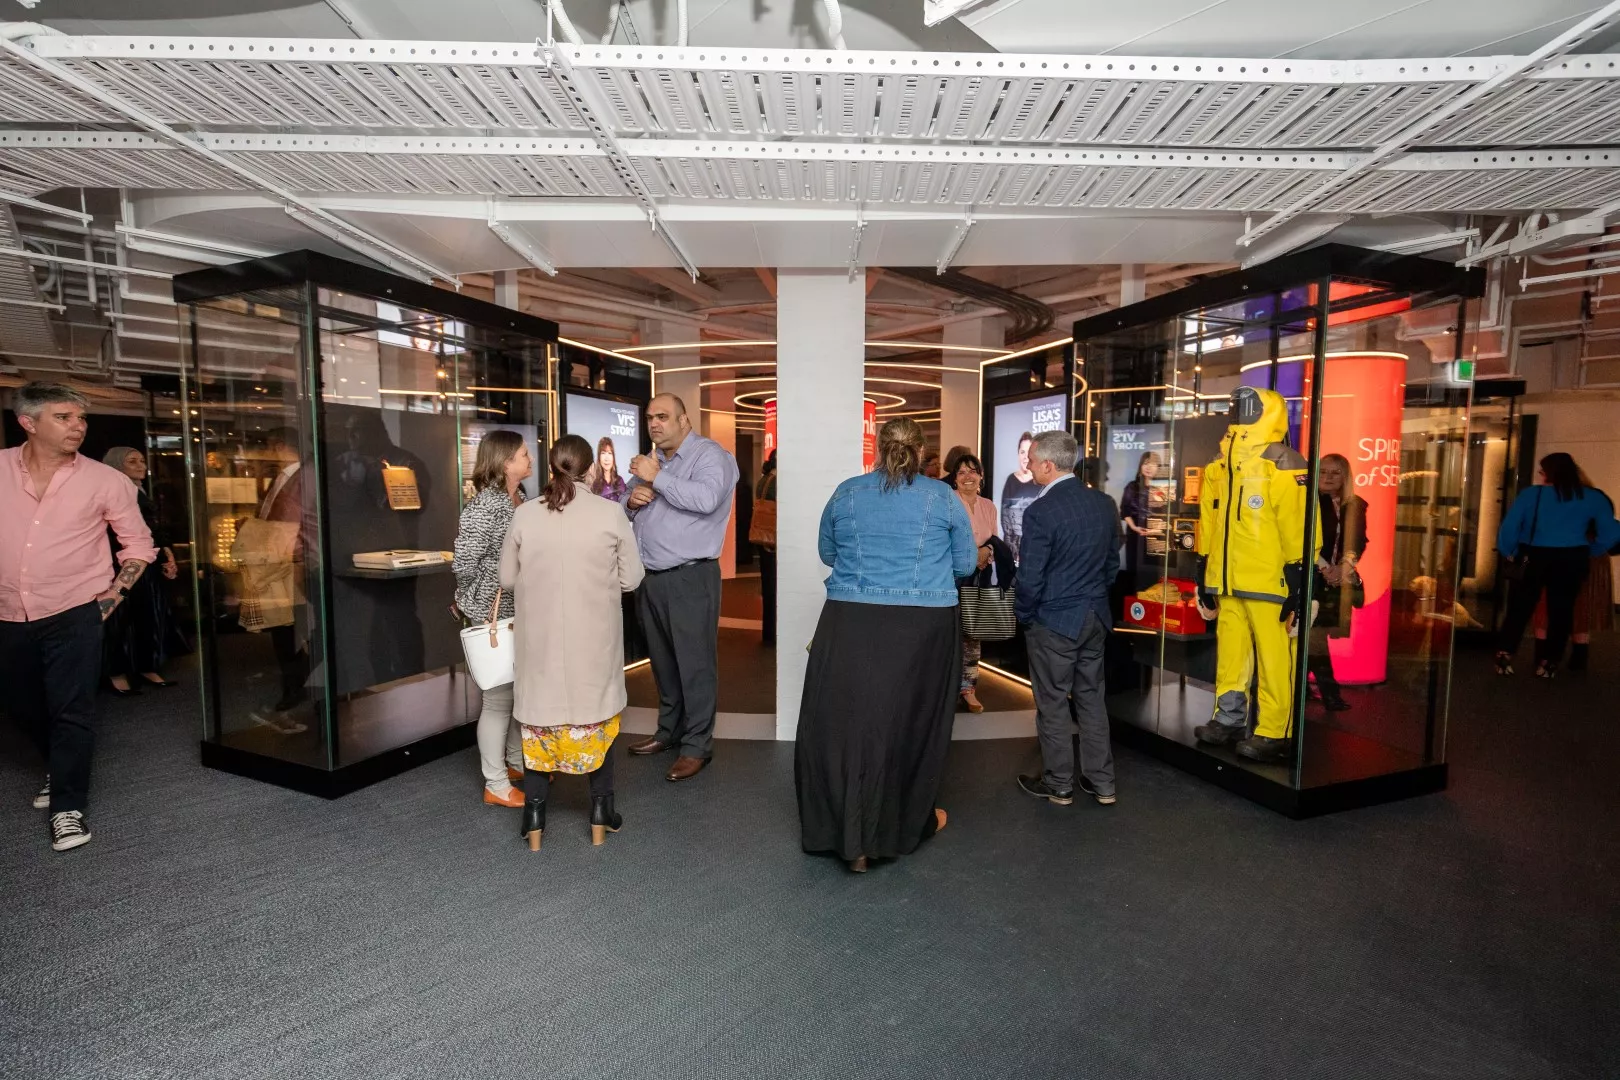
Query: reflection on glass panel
point(259, 549)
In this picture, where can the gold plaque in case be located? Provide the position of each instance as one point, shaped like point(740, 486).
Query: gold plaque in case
point(400, 483)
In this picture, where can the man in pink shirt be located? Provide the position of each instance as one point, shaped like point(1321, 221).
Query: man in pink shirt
point(57, 586)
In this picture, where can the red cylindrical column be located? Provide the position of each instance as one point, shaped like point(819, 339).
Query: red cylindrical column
point(1362, 403)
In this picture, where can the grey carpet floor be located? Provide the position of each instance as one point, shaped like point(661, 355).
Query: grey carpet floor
point(218, 927)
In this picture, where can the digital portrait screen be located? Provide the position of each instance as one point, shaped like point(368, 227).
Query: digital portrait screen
point(613, 428)
point(1012, 487)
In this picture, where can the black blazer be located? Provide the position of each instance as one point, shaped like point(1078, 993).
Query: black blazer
point(1344, 531)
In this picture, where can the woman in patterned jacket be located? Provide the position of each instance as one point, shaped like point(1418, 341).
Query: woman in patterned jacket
point(503, 463)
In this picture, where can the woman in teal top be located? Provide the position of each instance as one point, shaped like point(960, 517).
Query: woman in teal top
point(886, 661)
point(1554, 526)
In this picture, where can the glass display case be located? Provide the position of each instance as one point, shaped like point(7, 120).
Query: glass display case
point(1288, 446)
point(332, 415)
point(1022, 395)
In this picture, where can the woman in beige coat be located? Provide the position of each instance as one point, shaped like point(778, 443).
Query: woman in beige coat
point(568, 556)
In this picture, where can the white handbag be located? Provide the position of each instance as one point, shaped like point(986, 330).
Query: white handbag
point(491, 658)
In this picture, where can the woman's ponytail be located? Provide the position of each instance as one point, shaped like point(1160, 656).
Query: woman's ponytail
point(570, 458)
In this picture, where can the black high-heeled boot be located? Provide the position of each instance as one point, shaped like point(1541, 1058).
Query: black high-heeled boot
point(534, 822)
point(603, 818)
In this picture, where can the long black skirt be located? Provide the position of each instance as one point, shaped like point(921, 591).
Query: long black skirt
point(875, 726)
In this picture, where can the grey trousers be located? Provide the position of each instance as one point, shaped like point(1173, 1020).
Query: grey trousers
point(1062, 668)
point(680, 616)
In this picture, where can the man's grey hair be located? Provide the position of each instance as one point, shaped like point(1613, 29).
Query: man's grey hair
point(1058, 447)
point(31, 398)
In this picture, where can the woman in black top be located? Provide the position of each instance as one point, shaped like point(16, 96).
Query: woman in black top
point(1135, 504)
point(1343, 514)
point(1018, 490)
point(135, 642)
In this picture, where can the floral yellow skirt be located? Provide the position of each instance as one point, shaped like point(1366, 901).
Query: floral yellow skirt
point(573, 749)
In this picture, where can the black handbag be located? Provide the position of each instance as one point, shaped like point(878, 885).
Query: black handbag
point(1513, 569)
point(987, 612)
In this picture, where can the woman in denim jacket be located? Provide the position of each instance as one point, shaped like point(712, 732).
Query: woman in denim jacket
point(885, 664)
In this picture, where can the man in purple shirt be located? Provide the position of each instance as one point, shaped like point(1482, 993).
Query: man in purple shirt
point(679, 503)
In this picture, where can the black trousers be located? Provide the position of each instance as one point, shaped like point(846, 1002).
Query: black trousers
point(136, 637)
point(49, 668)
point(293, 663)
point(1560, 572)
point(537, 785)
point(680, 616)
point(767, 595)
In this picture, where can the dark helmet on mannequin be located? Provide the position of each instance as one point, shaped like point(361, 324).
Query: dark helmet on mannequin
point(1247, 405)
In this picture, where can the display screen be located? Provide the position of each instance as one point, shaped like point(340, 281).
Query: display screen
point(613, 428)
point(1012, 487)
point(1123, 454)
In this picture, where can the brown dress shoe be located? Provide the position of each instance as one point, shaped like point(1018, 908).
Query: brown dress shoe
point(654, 745)
point(685, 768)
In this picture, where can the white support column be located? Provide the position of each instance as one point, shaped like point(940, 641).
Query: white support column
point(506, 289)
point(959, 397)
point(820, 385)
point(686, 385)
point(1132, 284)
point(722, 428)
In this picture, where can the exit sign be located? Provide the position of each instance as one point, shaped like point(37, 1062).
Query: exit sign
point(1462, 371)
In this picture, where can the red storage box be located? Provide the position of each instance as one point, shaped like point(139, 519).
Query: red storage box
point(1180, 617)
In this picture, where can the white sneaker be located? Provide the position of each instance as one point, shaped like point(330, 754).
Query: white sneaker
point(68, 830)
point(42, 801)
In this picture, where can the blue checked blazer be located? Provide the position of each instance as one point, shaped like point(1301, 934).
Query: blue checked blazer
point(1068, 559)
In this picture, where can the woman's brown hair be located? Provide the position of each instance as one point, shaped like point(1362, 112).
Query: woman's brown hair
point(494, 451)
point(900, 451)
point(570, 459)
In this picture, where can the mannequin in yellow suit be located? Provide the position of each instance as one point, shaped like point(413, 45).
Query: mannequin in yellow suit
point(1251, 539)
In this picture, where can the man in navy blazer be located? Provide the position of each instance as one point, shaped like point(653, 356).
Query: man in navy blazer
point(1068, 560)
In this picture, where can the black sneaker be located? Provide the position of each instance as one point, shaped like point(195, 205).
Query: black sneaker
point(68, 830)
point(1085, 786)
point(1216, 733)
point(42, 801)
point(1035, 786)
point(1263, 748)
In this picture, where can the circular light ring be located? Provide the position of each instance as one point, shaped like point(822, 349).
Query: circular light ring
point(745, 403)
point(763, 343)
point(868, 380)
point(744, 364)
point(1326, 356)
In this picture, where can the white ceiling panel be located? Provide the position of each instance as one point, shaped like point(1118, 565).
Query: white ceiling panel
point(1274, 28)
point(882, 24)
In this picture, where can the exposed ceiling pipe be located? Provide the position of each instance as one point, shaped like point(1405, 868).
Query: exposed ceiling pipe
point(1612, 238)
point(357, 24)
point(683, 23)
point(835, 22)
point(1030, 317)
point(555, 10)
point(1103, 287)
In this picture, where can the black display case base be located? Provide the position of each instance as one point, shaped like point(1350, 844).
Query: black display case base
point(336, 783)
point(1257, 786)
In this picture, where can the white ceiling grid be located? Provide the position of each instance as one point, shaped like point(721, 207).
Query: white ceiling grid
point(907, 131)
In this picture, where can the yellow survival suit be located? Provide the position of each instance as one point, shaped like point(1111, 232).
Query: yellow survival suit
point(1251, 537)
